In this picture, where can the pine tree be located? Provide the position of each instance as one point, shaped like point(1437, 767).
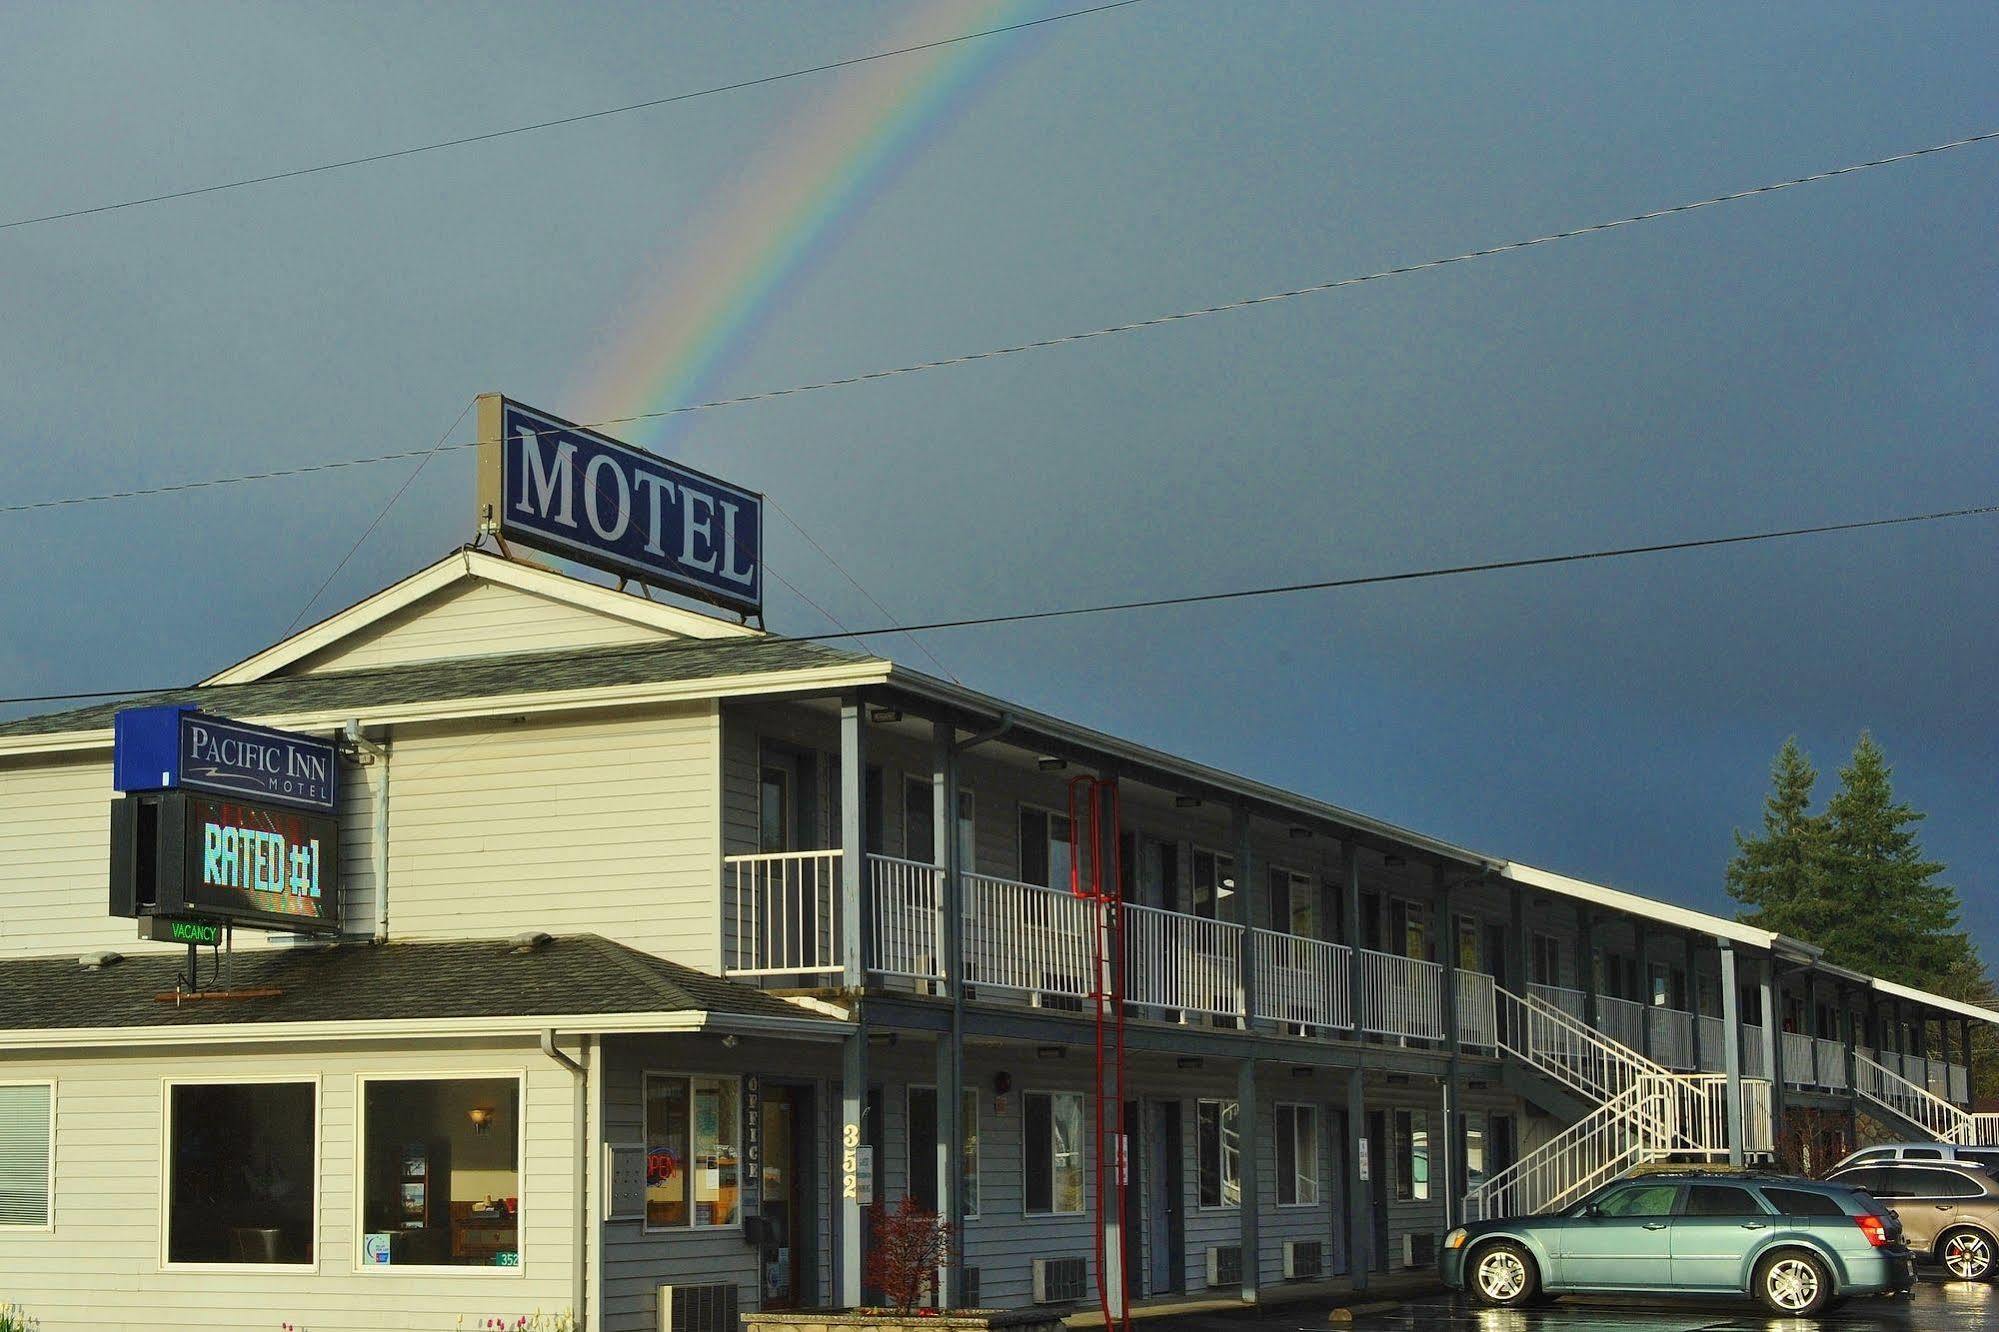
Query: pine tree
point(1779, 876)
point(1891, 916)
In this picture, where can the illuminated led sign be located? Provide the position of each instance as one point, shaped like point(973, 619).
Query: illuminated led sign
point(183, 854)
point(552, 485)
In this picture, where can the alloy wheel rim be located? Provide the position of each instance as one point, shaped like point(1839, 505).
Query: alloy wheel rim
point(1501, 1275)
point(1793, 1284)
point(1967, 1257)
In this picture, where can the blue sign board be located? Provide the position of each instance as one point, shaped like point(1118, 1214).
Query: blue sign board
point(174, 746)
point(572, 492)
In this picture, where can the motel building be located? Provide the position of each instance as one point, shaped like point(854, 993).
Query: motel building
point(625, 954)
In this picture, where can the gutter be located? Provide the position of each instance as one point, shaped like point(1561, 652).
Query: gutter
point(579, 1201)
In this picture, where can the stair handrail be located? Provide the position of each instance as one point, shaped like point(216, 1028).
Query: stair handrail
point(1596, 1148)
point(1909, 1100)
point(1523, 1017)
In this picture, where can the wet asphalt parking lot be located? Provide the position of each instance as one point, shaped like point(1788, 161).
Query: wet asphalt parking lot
point(1933, 1306)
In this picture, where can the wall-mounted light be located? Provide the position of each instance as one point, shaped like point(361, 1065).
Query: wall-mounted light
point(1300, 834)
point(1051, 1052)
point(1187, 802)
point(1188, 1061)
point(481, 1117)
point(1393, 861)
point(731, 1041)
point(1050, 764)
point(883, 716)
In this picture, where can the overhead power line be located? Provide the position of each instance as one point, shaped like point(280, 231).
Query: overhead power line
point(1247, 593)
point(539, 125)
point(1066, 339)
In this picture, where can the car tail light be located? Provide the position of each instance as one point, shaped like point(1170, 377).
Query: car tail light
point(1874, 1228)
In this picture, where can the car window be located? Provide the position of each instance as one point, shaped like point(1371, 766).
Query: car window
point(1922, 1154)
point(1906, 1183)
point(1641, 1200)
point(1984, 1156)
point(1869, 1179)
point(1797, 1202)
point(1720, 1200)
point(1872, 1154)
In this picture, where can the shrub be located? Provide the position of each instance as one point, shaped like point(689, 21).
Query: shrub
point(910, 1243)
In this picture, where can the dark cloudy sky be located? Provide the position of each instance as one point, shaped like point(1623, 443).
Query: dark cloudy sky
point(1824, 354)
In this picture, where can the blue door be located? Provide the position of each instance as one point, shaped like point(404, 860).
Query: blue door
point(1620, 1241)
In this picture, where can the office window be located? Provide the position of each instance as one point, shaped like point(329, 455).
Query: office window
point(1046, 845)
point(27, 1154)
point(923, 1148)
point(1412, 1149)
point(242, 1172)
point(441, 1172)
point(1054, 1153)
point(694, 1135)
point(1297, 1155)
point(1214, 885)
point(1218, 1149)
point(1547, 960)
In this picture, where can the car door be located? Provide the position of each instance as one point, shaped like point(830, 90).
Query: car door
point(1902, 1188)
point(1621, 1240)
point(1715, 1224)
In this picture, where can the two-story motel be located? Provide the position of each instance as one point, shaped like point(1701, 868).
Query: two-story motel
point(668, 944)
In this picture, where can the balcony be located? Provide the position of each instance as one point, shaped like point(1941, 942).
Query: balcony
point(781, 920)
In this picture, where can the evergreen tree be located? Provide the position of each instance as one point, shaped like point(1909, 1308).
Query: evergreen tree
point(1890, 915)
point(1779, 876)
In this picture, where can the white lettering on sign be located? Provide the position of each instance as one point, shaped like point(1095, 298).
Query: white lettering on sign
point(850, 1161)
point(262, 862)
point(595, 494)
point(540, 476)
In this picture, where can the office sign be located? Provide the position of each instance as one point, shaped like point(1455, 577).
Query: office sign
point(559, 488)
point(175, 746)
point(184, 855)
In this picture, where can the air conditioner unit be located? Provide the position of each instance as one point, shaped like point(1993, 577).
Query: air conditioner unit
point(710, 1308)
point(1419, 1250)
point(1058, 1280)
point(1302, 1258)
point(1225, 1265)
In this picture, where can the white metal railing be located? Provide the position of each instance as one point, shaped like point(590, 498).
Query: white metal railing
point(1621, 1020)
point(1797, 1054)
point(1982, 1130)
point(1573, 1002)
point(1960, 1085)
point(1181, 962)
point(1754, 1065)
point(1672, 1033)
point(1305, 982)
point(1566, 1049)
point(1714, 1050)
point(1400, 996)
point(906, 902)
point(781, 913)
point(1939, 1118)
point(1829, 1063)
point(1020, 936)
point(1936, 1076)
point(1477, 1010)
point(1756, 1125)
point(1596, 1148)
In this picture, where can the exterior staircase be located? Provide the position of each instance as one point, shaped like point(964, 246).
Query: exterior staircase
point(1642, 1111)
point(1917, 1111)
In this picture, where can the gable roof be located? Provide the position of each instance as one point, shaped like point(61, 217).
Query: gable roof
point(465, 568)
point(573, 977)
point(586, 673)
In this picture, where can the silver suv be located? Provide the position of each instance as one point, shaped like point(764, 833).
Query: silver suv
point(1987, 1157)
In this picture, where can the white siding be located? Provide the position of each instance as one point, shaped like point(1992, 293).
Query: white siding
point(473, 618)
point(55, 838)
point(100, 1268)
point(603, 824)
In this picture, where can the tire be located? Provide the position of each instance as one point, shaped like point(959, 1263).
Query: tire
point(1793, 1284)
point(1968, 1255)
point(1502, 1275)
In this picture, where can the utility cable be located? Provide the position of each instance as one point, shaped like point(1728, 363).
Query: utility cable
point(1060, 341)
point(539, 125)
point(1247, 593)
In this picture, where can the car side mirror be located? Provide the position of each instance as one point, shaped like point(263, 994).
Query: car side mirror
point(1593, 1210)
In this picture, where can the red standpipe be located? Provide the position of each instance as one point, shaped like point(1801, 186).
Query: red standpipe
point(1107, 998)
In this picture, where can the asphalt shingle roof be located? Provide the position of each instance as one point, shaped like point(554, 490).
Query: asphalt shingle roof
point(574, 974)
point(468, 677)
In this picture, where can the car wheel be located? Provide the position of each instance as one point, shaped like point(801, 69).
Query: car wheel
point(1966, 1255)
point(1793, 1284)
point(1503, 1276)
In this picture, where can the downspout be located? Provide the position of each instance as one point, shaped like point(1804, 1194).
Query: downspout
point(580, 1201)
point(378, 754)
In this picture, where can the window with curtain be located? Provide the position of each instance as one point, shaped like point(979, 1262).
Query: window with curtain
point(1297, 1150)
point(1053, 1155)
point(1218, 1151)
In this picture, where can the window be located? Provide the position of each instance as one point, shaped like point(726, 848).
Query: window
point(1471, 1150)
point(1412, 1146)
point(1720, 1200)
point(1796, 1202)
point(922, 1138)
point(27, 1154)
point(242, 1172)
point(1218, 1149)
point(1640, 1200)
point(1922, 1154)
point(919, 819)
point(694, 1129)
point(1054, 1155)
point(1045, 847)
point(1468, 952)
point(1214, 885)
point(1547, 960)
point(1408, 929)
point(1294, 903)
point(1297, 1155)
point(441, 1172)
point(774, 820)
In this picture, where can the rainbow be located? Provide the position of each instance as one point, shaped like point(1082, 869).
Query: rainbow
point(711, 299)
